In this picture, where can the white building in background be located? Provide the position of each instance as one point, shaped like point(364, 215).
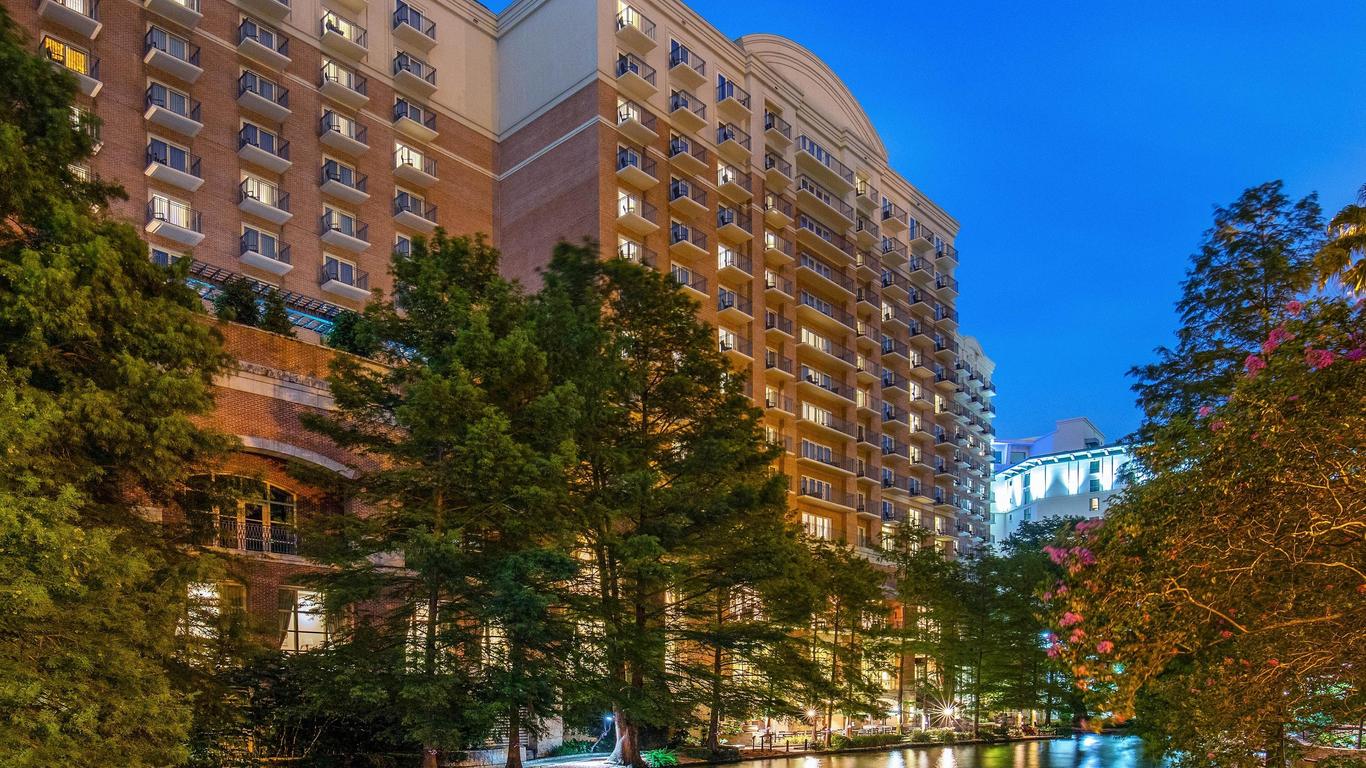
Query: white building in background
point(1069, 472)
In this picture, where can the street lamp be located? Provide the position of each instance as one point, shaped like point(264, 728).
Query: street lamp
point(811, 714)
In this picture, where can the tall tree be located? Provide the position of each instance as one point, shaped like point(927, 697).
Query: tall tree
point(467, 441)
point(670, 451)
point(1343, 255)
point(103, 368)
point(848, 633)
point(1221, 600)
point(1255, 258)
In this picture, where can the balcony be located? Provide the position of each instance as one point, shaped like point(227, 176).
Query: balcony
point(783, 405)
point(263, 201)
point(414, 213)
point(691, 282)
point(826, 498)
point(636, 123)
point(829, 352)
point(271, 9)
point(778, 364)
point(687, 111)
point(868, 264)
point(636, 215)
point(733, 143)
point(867, 232)
point(778, 210)
point(414, 121)
point(686, 67)
point(186, 13)
point(171, 55)
point(777, 131)
point(343, 86)
point(689, 157)
point(342, 183)
point(687, 241)
point(734, 225)
point(173, 166)
point(263, 46)
point(825, 313)
point(922, 237)
point(344, 280)
point(264, 253)
point(825, 240)
point(413, 29)
point(737, 348)
point(777, 284)
point(343, 37)
point(733, 306)
point(262, 148)
point(834, 426)
point(635, 77)
point(174, 221)
point(343, 232)
point(777, 323)
point(734, 183)
point(414, 168)
point(821, 202)
point(814, 383)
point(894, 217)
point(638, 254)
point(825, 165)
point(866, 196)
point(777, 171)
point(414, 76)
point(263, 96)
point(635, 30)
point(255, 536)
point(735, 265)
point(810, 452)
point(180, 115)
point(79, 16)
point(342, 134)
point(80, 63)
point(946, 283)
point(635, 168)
point(777, 249)
point(732, 101)
point(687, 198)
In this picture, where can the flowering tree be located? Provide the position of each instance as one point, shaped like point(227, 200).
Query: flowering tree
point(1223, 600)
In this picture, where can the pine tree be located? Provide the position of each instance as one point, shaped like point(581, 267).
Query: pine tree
point(467, 440)
point(237, 302)
point(1256, 258)
point(670, 450)
point(104, 364)
point(274, 318)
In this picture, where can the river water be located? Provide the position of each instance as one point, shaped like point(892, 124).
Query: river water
point(1083, 751)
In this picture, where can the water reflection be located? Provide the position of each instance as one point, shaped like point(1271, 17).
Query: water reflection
point(1089, 751)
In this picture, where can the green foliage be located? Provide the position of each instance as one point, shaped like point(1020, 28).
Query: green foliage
point(1254, 259)
point(353, 332)
point(103, 367)
point(864, 740)
point(1220, 603)
point(237, 303)
point(1341, 762)
point(274, 318)
point(1343, 255)
point(660, 758)
point(572, 747)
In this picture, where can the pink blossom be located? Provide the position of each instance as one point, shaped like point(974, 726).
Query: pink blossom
point(1063, 590)
point(1278, 336)
point(1356, 354)
point(1054, 650)
point(1225, 634)
point(1085, 556)
point(1294, 307)
point(1205, 410)
point(1051, 638)
point(1069, 618)
point(1077, 635)
point(1105, 646)
point(1254, 365)
point(1056, 554)
point(1218, 425)
point(1318, 359)
point(1047, 596)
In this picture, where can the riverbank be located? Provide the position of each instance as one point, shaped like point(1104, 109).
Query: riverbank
point(599, 759)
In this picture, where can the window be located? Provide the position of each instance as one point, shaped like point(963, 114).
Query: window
point(340, 221)
point(627, 203)
point(174, 45)
point(249, 514)
point(255, 30)
point(75, 59)
point(1095, 485)
point(164, 257)
point(819, 489)
point(258, 241)
point(170, 155)
point(257, 188)
point(817, 526)
point(630, 250)
point(403, 245)
point(1018, 456)
point(1095, 504)
point(814, 339)
point(256, 136)
point(817, 414)
point(172, 211)
point(1027, 515)
point(1095, 467)
point(817, 451)
point(303, 624)
point(339, 123)
point(161, 95)
point(1091, 442)
point(727, 338)
point(340, 270)
point(336, 170)
point(406, 155)
point(208, 604)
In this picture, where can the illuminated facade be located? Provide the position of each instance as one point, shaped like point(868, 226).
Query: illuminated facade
point(1069, 472)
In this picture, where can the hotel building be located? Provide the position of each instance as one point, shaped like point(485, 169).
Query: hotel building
point(1069, 472)
point(298, 142)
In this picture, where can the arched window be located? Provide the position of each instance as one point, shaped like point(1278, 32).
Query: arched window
point(248, 514)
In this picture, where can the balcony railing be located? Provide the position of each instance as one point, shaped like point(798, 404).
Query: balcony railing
point(250, 82)
point(250, 30)
point(682, 55)
point(335, 271)
point(682, 233)
point(158, 152)
point(404, 109)
point(331, 122)
point(684, 100)
point(633, 64)
point(681, 146)
point(772, 161)
point(331, 22)
point(731, 217)
point(252, 242)
point(776, 321)
point(627, 158)
point(825, 233)
point(256, 536)
point(681, 189)
point(630, 17)
point(828, 309)
point(808, 185)
point(406, 15)
point(833, 274)
point(187, 107)
point(728, 299)
point(823, 156)
point(174, 212)
point(775, 122)
point(732, 132)
point(251, 189)
point(335, 171)
point(774, 202)
point(252, 136)
point(405, 62)
point(406, 203)
point(175, 47)
point(727, 89)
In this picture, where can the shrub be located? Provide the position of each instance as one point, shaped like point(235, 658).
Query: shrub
point(1341, 762)
point(920, 737)
point(571, 747)
point(660, 758)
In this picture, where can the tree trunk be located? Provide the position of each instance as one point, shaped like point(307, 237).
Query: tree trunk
point(514, 754)
point(429, 757)
point(627, 749)
point(977, 692)
point(713, 742)
point(901, 693)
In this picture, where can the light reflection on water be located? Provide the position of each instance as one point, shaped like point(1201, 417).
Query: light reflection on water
point(1088, 751)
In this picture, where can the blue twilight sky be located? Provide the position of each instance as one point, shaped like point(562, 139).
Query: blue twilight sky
point(1081, 145)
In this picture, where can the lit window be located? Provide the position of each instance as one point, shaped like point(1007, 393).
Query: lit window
point(1095, 505)
point(303, 624)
